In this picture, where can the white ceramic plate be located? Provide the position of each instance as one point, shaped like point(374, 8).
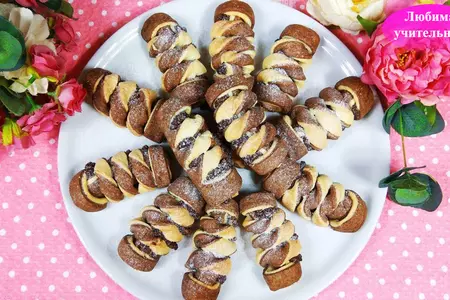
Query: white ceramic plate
point(357, 160)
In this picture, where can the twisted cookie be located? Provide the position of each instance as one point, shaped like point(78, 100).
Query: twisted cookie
point(210, 262)
point(124, 103)
point(124, 175)
point(282, 75)
point(316, 197)
point(207, 163)
point(275, 240)
point(184, 75)
point(162, 225)
point(232, 50)
point(326, 116)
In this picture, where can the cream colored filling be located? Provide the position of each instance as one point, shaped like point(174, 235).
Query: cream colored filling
point(286, 39)
point(109, 85)
point(97, 83)
point(316, 135)
point(234, 14)
point(170, 232)
point(189, 128)
point(250, 210)
point(126, 90)
point(211, 160)
point(121, 159)
point(328, 121)
point(160, 248)
point(201, 145)
point(355, 96)
point(195, 68)
point(220, 248)
point(103, 169)
point(229, 108)
point(190, 53)
point(290, 197)
point(220, 27)
point(219, 43)
point(222, 267)
point(271, 270)
point(216, 210)
point(343, 113)
point(351, 213)
point(183, 39)
point(136, 249)
point(324, 184)
point(236, 129)
point(84, 186)
point(179, 215)
point(253, 143)
point(271, 75)
point(266, 153)
point(276, 60)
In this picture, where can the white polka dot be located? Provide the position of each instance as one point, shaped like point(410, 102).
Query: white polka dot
point(1, 259)
point(16, 219)
point(341, 294)
point(355, 280)
point(19, 192)
point(432, 282)
point(415, 213)
point(408, 281)
point(5, 205)
point(2, 232)
point(396, 296)
point(51, 288)
point(46, 193)
point(446, 148)
point(417, 240)
point(359, 40)
point(114, 24)
point(23, 288)
point(75, 57)
point(11, 273)
point(394, 267)
point(80, 11)
point(427, 227)
point(8, 178)
point(14, 246)
point(446, 297)
point(78, 33)
point(39, 274)
point(58, 205)
point(398, 148)
point(435, 161)
point(27, 233)
point(30, 205)
point(390, 212)
point(439, 214)
point(53, 260)
point(22, 166)
point(404, 226)
point(444, 269)
point(411, 160)
point(33, 179)
point(78, 289)
point(55, 232)
point(43, 219)
point(66, 274)
point(88, 45)
point(433, 136)
point(430, 254)
point(422, 148)
point(67, 246)
point(48, 166)
point(41, 246)
point(380, 252)
point(105, 289)
point(392, 239)
point(419, 268)
point(421, 296)
point(127, 14)
point(139, 3)
point(92, 275)
point(36, 153)
point(117, 2)
point(378, 226)
point(101, 34)
point(442, 241)
point(94, 1)
point(26, 260)
point(80, 260)
point(91, 24)
point(51, 141)
point(367, 267)
point(382, 281)
point(104, 12)
point(369, 295)
point(405, 253)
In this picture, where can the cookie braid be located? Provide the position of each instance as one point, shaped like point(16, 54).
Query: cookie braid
point(214, 242)
point(125, 174)
point(162, 225)
point(176, 56)
point(232, 48)
point(282, 75)
point(274, 238)
point(199, 152)
point(325, 117)
point(124, 102)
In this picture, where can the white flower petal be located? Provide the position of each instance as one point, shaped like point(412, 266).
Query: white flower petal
point(15, 74)
point(5, 9)
point(21, 18)
point(37, 32)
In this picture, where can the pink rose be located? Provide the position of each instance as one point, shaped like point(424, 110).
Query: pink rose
point(42, 120)
point(64, 32)
point(409, 69)
point(28, 3)
point(71, 95)
point(46, 62)
point(395, 5)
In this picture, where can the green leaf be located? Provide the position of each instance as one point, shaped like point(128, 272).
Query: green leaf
point(387, 180)
point(14, 103)
point(447, 3)
point(408, 182)
point(60, 6)
point(412, 121)
point(52, 4)
point(368, 25)
point(12, 47)
point(389, 115)
point(429, 111)
point(410, 197)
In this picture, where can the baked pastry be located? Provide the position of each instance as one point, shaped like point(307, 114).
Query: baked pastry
point(124, 102)
point(316, 197)
point(214, 242)
point(325, 117)
point(176, 56)
point(123, 175)
point(274, 238)
point(281, 77)
point(199, 152)
point(232, 48)
point(162, 225)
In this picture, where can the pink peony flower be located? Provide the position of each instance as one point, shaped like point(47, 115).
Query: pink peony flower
point(395, 5)
point(71, 95)
point(409, 69)
point(42, 120)
point(64, 32)
point(46, 62)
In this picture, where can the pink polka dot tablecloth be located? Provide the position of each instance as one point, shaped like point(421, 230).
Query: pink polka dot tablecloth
point(408, 257)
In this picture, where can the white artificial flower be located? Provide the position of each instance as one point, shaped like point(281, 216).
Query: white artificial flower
point(5, 9)
point(343, 13)
point(39, 85)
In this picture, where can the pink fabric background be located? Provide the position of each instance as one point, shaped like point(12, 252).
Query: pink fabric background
point(408, 257)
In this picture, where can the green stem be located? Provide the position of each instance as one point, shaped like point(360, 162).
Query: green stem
point(403, 139)
point(34, 106)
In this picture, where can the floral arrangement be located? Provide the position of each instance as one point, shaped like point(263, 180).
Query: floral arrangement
point(35, 95)
point(413, 74)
